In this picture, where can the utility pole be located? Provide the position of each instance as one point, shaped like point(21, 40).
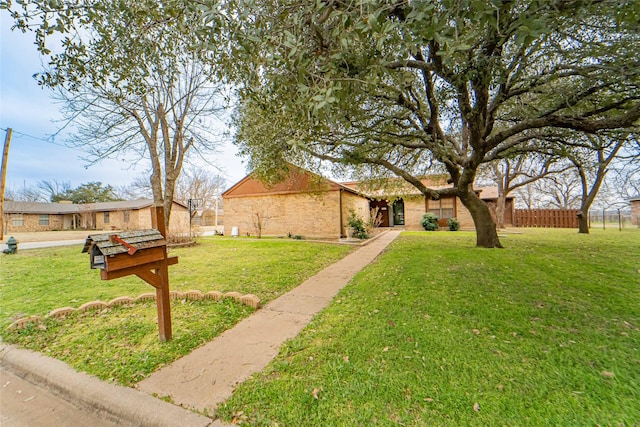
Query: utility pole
point(3, 179)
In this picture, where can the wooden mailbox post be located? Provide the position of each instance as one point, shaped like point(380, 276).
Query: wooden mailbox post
point(143, 253)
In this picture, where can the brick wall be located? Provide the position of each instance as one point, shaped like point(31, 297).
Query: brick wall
point(414, 209)
point(464, 216)
point(360, 206)
point(635, 212)
point(31, 223)
point(140, 219)
point(313, 215)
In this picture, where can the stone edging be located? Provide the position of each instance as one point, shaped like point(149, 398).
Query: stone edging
point(193, 295)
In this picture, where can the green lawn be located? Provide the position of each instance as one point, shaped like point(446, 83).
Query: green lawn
point(121, 344)
point(435, 332)
point(34, 282)
point(438, 332)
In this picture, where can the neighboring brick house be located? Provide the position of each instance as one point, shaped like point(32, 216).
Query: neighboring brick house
point(635, 211)
point(315, 207)
point(122, 215)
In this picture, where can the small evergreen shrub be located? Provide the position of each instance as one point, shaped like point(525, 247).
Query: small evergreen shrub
point(357, 224)
point(429, 222)
point(454, 224)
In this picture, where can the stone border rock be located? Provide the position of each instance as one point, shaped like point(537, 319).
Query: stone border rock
point(192, 295)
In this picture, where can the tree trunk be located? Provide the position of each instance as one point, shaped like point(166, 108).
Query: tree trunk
point(500, 208)
point(583, 215)
point(486, 232)
point(583, 222)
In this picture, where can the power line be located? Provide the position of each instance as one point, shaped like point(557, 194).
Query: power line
point(48, 140)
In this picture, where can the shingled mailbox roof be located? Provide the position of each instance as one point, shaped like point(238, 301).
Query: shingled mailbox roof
point(140, 239)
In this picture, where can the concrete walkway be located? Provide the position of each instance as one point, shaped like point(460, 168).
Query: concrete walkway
point(208, 375)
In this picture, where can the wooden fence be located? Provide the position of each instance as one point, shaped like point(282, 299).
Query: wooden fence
point(550, 218)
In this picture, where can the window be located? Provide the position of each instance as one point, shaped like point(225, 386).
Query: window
point(443, 208)
point(43, 219)
point(126, 216)
point(106, 217)
point(17, 220)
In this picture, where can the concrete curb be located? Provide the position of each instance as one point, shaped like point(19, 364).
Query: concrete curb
point(113, 402)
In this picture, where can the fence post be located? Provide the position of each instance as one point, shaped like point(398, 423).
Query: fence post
point(619, 221)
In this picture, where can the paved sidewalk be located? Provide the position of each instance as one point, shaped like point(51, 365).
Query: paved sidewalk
point(208, 375)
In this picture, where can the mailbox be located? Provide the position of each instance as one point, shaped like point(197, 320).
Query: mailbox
point(117, 251)
point(142, 253)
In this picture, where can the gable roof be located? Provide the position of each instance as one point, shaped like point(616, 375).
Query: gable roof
point(298, 181)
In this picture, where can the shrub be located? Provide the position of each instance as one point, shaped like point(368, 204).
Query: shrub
point(429, 222)
point(357, 223)
point(375, 218)
point(454, 224)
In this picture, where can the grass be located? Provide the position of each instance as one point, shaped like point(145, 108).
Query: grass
point(121, 344)
point(437, 332)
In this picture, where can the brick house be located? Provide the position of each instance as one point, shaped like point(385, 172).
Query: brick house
point(312, 206)
point(122, 215)
point(304, 204)
point(635, 210)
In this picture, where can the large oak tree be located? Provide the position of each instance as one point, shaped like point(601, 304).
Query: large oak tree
point(398, 87)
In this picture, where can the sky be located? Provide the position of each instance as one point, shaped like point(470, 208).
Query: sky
point(34, 116)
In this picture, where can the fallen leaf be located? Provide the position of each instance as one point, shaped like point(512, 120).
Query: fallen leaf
point(238, 418)
point(476, 331)
point(500, 387)
point(315, 392)
point(385, 349)
point(345, 359)
point(428, 399)
point(608, 374)
point(476, 407)
point(392, 323)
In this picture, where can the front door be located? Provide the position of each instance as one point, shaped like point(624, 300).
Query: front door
point(398, 212)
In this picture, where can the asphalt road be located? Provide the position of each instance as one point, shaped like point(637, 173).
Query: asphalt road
point(23, 404)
